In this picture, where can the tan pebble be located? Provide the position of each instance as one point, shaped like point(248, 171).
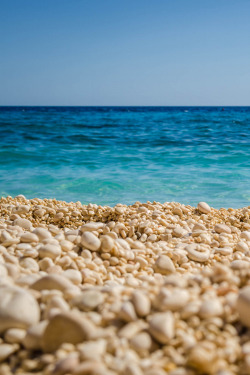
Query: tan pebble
point(50, 282)
point(14, 335)
point(141, 303)
point(90, 368)
point(127, 312)
point(50, 251)
point(164, 265)
point(141, 342)
point(66, 245)
point(107, 243)
point(210, 308)
point(23, 223)
point(90, 241)
point(179, 232)
point(203, 207)
point(245, 235)
point(74, 276)
point(89, 227)
point(66, 365)
point(18, 308)
point(132, 328)
point(66, 328)
point(161, 327)
point(88, 300)
point(29, 263)
point(243, 305)
point(197, 253)
point(6, 350)
point(42, 233)
point(171, 300)
point(202, 359)
point(92, 349)
point(33, 337)
point(132, 369)
point(242, 246)
point(239, 264)
point(29, 237)
point(222, 228)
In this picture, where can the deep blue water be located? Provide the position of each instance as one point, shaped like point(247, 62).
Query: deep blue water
point(107, 155)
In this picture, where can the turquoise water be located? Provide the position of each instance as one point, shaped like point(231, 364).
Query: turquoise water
point(108, 155)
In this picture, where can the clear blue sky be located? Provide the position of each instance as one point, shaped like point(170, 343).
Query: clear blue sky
point(117, 52)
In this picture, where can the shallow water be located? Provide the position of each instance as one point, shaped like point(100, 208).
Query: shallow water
point(107, 155)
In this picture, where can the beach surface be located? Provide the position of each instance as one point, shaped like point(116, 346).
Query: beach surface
point(145, 289)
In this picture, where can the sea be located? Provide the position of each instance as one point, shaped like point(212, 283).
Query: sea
point(110, 155)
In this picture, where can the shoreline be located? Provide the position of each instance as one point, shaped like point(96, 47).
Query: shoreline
point(146, 289)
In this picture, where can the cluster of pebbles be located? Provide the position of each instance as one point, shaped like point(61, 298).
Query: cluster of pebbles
point(146, 289)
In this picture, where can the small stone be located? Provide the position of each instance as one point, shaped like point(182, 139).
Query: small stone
point(89, 227)
point(51, 282)
point(6, 350)
point(23, 223)
point(42, 233)
point(90, 241)
point(141, 303)
point(18, 308)
point(141, 342)
point(29, 237)
point(33, 337)
point(161, 327)
point(66, 328)
point(14, 335)
point(49, 250)
point(179, 232)
point(243, 305)
point(242, 246)
point(203, 207)
point(127, 312)
point(239, 264)
point(245, 235)
point(88, 300)
point(66, 365)
point(210, 308)
point(107, 243)
point(222, 228)
point(164, 265)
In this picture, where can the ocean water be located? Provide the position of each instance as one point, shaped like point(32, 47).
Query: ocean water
point(109, 155)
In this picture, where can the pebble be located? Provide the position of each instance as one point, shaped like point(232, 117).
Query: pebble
point(49, 250)
point(141, 303)
point(88, 300)
point(222, 228)
point(243, 306)
point(65, 327)
point(23, 223)
point(18, 308)
point(197, 253)
point(51, 282)
point(6, 350)
point(164, 265)
point(161, 327)
point(90, 241)
point(203, 207)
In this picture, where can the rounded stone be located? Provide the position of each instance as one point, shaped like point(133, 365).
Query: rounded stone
point(161, 327)
point(222, 228)
point(65, 328)
point(90, 241)
point(243, 305)
point(141, 303)
point(203, 207)
point(164, 265)
point(50, 282)
point(18, 308)
point(23, 223)
point(88, 300)
point(49, 250)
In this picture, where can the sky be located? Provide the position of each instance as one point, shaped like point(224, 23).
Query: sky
point(117, 52)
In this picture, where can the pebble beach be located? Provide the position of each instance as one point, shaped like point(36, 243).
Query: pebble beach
point(145, 289)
